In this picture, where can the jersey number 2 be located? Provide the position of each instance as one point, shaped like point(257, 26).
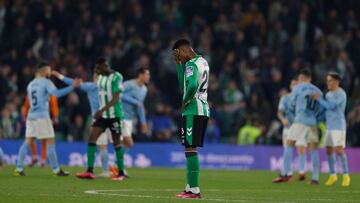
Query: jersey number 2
point(204, 82)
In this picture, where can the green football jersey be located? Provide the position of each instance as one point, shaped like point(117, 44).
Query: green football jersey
point(109, 85)
point(194, 81)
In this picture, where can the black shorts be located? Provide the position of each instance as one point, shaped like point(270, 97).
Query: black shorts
point(193, 130)
point(114, 124)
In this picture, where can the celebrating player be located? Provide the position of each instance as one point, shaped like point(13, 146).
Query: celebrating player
point(304, 129)
point(133, 104)
point(335, 136)
point(109, 115)
point(193, 74)
point(92, 92)
point(38, 123)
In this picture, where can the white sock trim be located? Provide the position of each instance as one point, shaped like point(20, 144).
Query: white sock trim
point(195, 190)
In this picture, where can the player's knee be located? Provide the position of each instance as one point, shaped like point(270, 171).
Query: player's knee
point(339, 151)
point(329, 150)
point(50, 141)
point(102, 147)
point(291, 143)
point(301, 149)
point(313, 146)
point(128, 142)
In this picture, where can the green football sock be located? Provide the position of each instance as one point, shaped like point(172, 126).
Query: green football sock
point(91, 151)
point(120, 159)
point(192, 169)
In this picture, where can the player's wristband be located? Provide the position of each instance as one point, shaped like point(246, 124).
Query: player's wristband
point(61, 77)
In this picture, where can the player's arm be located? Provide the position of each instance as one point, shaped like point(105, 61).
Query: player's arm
point(84, 86)
point(139, 106)
point(191, 85)
point(116, 90)
point(61, 92)
point(330, 104)
point(281, 112)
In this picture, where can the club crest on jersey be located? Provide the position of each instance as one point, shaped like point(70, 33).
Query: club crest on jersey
point(189, 71)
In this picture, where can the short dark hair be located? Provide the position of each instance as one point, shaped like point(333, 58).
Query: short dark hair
point(100, 60)
point(42, 65)
point(334, 75)
point(306, 72)
point(141, 70)
point(181, 42)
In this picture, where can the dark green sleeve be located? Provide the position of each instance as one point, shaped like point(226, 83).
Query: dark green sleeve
point(191, 83)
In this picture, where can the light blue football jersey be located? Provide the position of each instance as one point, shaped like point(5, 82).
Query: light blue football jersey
point(305, 106)
point(39, 91)
point(286, 107)
point(132, 89)
point(335, 104)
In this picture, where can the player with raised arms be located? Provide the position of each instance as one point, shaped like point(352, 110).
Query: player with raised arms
point(193, 74)
point(38, 122)
point(335, 136)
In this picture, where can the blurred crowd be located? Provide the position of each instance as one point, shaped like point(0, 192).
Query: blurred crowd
point(254, 49)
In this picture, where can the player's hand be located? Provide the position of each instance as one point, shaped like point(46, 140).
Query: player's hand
point(176, 56)
point(98, 114)
point(315, 96)
point(144, 128)
point(55, 121)
point(139, 105)
point(55, 73)
point(77, 82)
point(284, 122)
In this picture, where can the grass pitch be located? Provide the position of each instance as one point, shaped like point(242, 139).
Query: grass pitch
point(161, 185)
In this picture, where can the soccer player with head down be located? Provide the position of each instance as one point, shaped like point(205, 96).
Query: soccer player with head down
point(193, 73)
point(109, 115)
point(38, 122)
point(335, 136)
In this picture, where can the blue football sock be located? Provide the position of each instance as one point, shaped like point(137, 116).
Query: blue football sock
point(53, 157)
point(21, 156)
point(315, 160)
point(1, 155)
point(104, 156)
point(344, 164)
point(332, 161)
point(288, 156)
point(302, 163)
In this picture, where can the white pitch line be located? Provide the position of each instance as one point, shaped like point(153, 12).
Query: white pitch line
point(105, 192)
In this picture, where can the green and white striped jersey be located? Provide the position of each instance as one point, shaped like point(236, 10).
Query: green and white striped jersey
point(195, 80)
point(109, 85)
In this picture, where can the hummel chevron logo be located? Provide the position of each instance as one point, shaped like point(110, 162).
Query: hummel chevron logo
point(189, 131)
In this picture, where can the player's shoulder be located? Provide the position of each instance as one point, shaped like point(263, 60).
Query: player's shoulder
point(341, 92)
point(117, 75)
